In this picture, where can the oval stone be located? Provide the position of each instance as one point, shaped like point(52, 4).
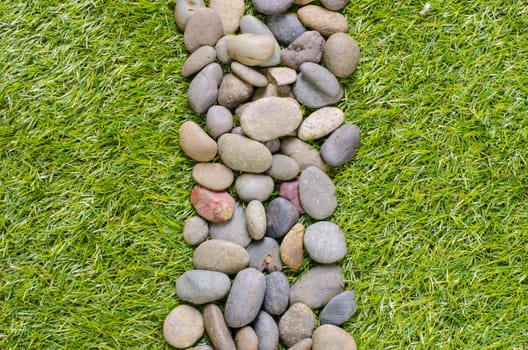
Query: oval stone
point(341, 54)
point(292, 247)
point(339, 309)
point(281, 215)
point(246, 339)
point(330, 337)
point(305, 344)
point(230, 12)
point(281, 75)
point(203, 90)
point(277, 293)
point(197, 34)
point(317, 193)
point(195, 230)
point(251, 24)
point(196, 143)
point(316, 86)
point(214, 176)
point(212, 206)
point(245, 298)
point(308, 47)
point(249, 75)
point(303, 153)
point(243, 154)
point(256, 219)
point(254, 186)
point(317, 286)
point(324, 21)
point(184, 10)
point(233, 91)
point(222, 256)
point(286, 27)
point(183, 326)
point(221, 49)
point(296, 324)
point(271, 7)
point(219, 121)
point(202, 286)
point(320, 123)
point(267, 332)
point(233, 230)
point(341, 145)
point(283, 168)
point(264, 255)
point(217, 329)
point(250, 49)
point(199, 59)
point(325, 242)
point(334, 5)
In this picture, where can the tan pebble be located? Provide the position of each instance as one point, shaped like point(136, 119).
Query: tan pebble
point(196, 143)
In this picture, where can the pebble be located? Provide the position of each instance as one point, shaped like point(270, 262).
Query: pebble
point(283, 168)
point(202, 286)
point(199, 59)
point(302, 2)
point(270, 118)
point(203, 90)
point(256, 219)
point(322, 20)
point(202, 347)
point(341, 54)
point(184, 10)
point(317, 286)
point(281, 75)
point(251, 24)
point(334, 5)
point(244, 154)
point(221, 49)
point(249, 75)
point(195, 142)
point(216, 328)
point(183, 326)
point(246, 339)
point(251, 49)
point(330, 337)
point(230, 12)
point(339, 309)
point(341, 145)
point(213, 176)
point(292, 247)
point(238, 129)
point(316, 86)
point(197, 35)
point(219, 121)
point(212, 206)
point(273, 146)
point(277, 293)
point(233, 230)
point(290, 191)
point(303, 153)
point(325, 242)
point(308, 47)
point(317, 193)
point(271, 7)
point(267, 332)
point(245, 298)
point(270, 90)
point(320, 123)
point(305, 344)
point(222, 256)
point(264, 255)
point(195, 230)
point(233, 91)
point(254, 186)
point(296, 324)
point(281, 215)
point(286, 27)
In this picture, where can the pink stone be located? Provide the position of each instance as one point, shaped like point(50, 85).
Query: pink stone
point(212, 206)
point(290, 191)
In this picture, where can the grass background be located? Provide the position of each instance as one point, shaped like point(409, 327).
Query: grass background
point(94, 188)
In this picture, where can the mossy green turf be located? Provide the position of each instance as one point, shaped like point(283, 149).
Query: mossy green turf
point(94, 188)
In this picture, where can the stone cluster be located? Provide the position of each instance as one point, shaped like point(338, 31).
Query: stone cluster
point(256, 140)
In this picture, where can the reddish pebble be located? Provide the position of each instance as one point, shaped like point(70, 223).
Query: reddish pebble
point(212, 206)
point(290, 191)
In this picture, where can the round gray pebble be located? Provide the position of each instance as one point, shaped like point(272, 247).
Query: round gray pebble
point(195, 230)
point(341, 145)
point(317, 193)
point(199, 59)
point(254, 186)
point(219, 121)
point(283, 168)
point(317, 286)
point(203, 90)
point(245, 298)
point(267, 332)
point(325, 242)
point(243, 154)
point(296, 324)
point(202, 286)
point(286, 27)
point(233, 230)
point(277, 293)
point(339, 309)
point(308, 47)
point(222, 256)
point(316, 86)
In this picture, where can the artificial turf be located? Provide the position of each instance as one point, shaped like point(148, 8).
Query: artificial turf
point(94, 188)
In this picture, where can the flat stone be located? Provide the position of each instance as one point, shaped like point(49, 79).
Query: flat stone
point(317, 286)
point(264, 255)
point(281, 215)
point(216, 328)
point(195, 142)
point(316, 86)
point(219, 121)
point(320, 123)
point(256, 219)
point(244, 154)
point(221, 49)
point(183, 326)
point(233, 91)
point(341, 145)
point(199, 59)
point(296, 324)
point(334, 5)
point(303, 153)
point(222, 256)
point(292, 247)
point(195, 230)
point(290, 191)
point(277, 293)
point(330, 337)
point(184, 10)
point(230, 12)
point(325, 242)
point(339, 309)
point(317, 193)
point(213, 176)
point(212, 206)
point(281, 75)
point(270, 118)
point(308, 47)
point(305, 344)
point(246, 339)
point(249, 75)
point(202, 286)
point(203, 90)
point(322, 20)
point(283, 168)
point(271, 7)
point(233, 230)
point(197, 34)
point(251, 24)
point(245, 298)
point(267, 332)
point(251, 49)
point(254, 186)
point(286, 27)
point(341, 55)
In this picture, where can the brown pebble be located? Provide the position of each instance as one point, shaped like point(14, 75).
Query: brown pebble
point(246, 339)
point(291, 248)
point(216, 328)
point(195, 142)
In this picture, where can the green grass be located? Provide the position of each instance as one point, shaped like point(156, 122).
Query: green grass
point(94, 188)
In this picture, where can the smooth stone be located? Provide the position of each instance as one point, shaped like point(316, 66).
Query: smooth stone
point(320, 123)
point(281, 215)
point(264, 255)
point(254, 186)
point(296, 324)
point(317, 286)
point(277, 293)
point(308, 47)
point(184, 10)
point(317, 193)
point(203, 90)
point(322, 20)
point(250, 49)
point(325, 242)
point(273, 146)
point(251, 24)
point(202, 347)
point(305, 344)
point(256, 219)
point(290, 191)
point(271, 7)
point(233, 230)
point(334, 5)
point(245, 298)
point(195, 230)
point(183, 326)
point(270, 90)
point(212, 206)
point(222, 256)
point(292, 247)
point(283, 168)
point(244, 154)
point(238, 129)
point(316, 86)
point(286, 27)
point(246, 339)
point(202, 286)
point(341, 54)
point(270, 118)
point(281, 75)
point(302, 2)
point(219, 121)
point(199, 59)
point(197, 34)
point(303, 153)
point(195, 142)
point(213, 176)
point(339, 309)
point(249, 75)
point(267, 332)
point(233, 91)
point(330, 337)
point(230, 12)
point(216, 328)
point(341, 145)
point(221, 49)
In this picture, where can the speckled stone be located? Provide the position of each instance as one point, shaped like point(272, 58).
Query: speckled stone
point(316, 86)
point(199, 59)
point(264, 255)
point(341, 145)
point(330, 337)
point(202, 286)
point(308, 47)
point(271, 7)
point(303, 153)
point(222, 256)
point(281, 215)
point(246, 339)
point(197, 34)
point(341, 54)
point(195, 142)
point(219, 121)
point(267, 332)
point(296, 324)
point(183, 326)
point(317, 286)
point(320, 123)
point(317, 193)
point(203, 90)
point(214, 176)
point(277, 293)
point(245, 298)
point(195, 230)
point(339, 309)
point(292, 247)
point(254, 186)
point(325, 242)
point(286, 27)
point(212, 206)
point(322, 20)
point(217, 329)
point(251, 24)
point(256, 219)
point(233, 91)
point(305, 344)
point(233, 230)
point(334, 5)
point(184, 10)
point(244, 154)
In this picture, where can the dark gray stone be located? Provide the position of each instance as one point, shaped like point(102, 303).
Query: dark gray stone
point(281, 215)
point(277, 293)
point(316, 86)
point(325, 242)
point(339, 309)
point(334, 5)
point(341, 145)
point(245, 298)
point(271, 7)
point(267, 332)
point(286, 27)
point(203, 90)
point(296, 324)
point(317, 193)
point(308, 47)
point(233, 230)
point(264, 255)
point(317, 286)
point(202, 286)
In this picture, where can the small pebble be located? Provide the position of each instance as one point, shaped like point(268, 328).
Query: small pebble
point(317, 286)
point(196, 143)
point(317, 193)
point(254, 186)
point(244, 154)
point(251, 24)
point(202, 286)
point(251, 49)
point(249, 75)
point(213, 176)
point(339, 309)
point(203, 90)
point(195, 230)
point(283, 168)
point(290, 191)
point(281, 215)
point(233, 91)
point(230, 12)
point(197, 35)
point(286, 27)
point(277, 293)
point(308, 47)
point(219, 121)
point(305, 344)
point(267, 332)
point(330, 337)
point(199, 59)
point(270, 90)
point(341, 54)
point(264, 255)
point(246, 339)
point(320, 123)
point(233, 230)
point(322, 20)
point(271, 7)
point(341, 145)
point(184, 10)
point(217, 329)
point(334, 5)
point(303, 153)
point(281, 75)
point(222, 256)
point(316, 86)
point(325, 242)
point(256, 219)
point(183, 326)
point(212, 206)
point(296, 324)
point(292, 247)
point(273, 145)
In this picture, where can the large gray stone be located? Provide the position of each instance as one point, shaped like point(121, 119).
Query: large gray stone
point(202, 286)
point(316, 86)
point(317, 286)
point(245, 298)
point(317, 193)
point(325, 242)
point(203, 90)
